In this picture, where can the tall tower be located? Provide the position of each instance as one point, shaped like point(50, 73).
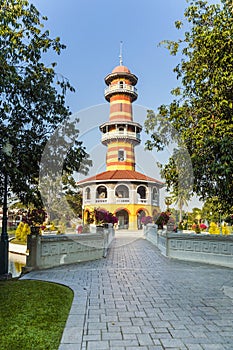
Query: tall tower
point(121, 189)
point(120, 134)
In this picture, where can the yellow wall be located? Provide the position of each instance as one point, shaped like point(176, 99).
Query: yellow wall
point(131, 208)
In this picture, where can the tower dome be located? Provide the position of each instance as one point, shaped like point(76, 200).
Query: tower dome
point(121, 69)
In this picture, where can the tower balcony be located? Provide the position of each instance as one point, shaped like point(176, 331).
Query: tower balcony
point(121, 89)
point(121, 135)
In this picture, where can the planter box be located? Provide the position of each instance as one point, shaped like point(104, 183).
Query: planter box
point(18, 248)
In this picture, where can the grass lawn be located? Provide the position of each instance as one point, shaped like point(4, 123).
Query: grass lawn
point(33, 314)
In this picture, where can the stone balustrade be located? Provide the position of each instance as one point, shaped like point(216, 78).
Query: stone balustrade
point(56, 250)
point(206, 248)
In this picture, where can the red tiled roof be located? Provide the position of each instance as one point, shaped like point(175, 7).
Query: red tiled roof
point(116, 175)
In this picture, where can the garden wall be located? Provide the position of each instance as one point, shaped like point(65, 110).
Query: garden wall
point(211, 249)
point(56, 250)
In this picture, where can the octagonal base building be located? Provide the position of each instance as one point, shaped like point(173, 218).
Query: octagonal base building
point(120, 189)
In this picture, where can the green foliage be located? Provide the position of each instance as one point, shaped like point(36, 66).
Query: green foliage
point(162, 218)
point(32, 98)
point(34, 314)
point(178, 172)
point(212, 209)
point(61, 197)
point(180, 198)
point(203, 104)
point(197, 228)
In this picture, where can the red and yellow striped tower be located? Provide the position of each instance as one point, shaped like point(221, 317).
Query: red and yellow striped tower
point(121, 134)
point(121, 189)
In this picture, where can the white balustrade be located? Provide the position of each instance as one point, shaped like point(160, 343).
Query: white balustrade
point(101, 200)
point(122, 200)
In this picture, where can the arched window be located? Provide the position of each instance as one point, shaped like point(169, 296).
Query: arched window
point(122, 191)
point(121, 84)
point(88, 193)
point(101, 192)
point(155, 196)
point(141, 191)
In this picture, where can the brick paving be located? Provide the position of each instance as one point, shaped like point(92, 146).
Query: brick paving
point(138, 299)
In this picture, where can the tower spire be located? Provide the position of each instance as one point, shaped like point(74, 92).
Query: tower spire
point(120, 56)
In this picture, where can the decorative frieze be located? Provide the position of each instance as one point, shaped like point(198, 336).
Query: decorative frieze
point(200, 246)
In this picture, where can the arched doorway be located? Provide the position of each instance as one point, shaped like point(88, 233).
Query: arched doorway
point(123, 219)
point(140, 215)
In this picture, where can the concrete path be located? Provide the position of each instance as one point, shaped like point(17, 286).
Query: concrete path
point(138, 299)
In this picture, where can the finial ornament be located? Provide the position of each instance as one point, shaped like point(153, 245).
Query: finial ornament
point(120, 56)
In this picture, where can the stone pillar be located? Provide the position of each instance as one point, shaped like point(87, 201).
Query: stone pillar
point(33, 243)
point(133, 222)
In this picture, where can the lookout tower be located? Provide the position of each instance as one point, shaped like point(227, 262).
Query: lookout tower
point(121, 189)
point(120, 134)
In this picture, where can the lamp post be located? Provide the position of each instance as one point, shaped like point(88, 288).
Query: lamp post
point(168, 201)
point(4, 243)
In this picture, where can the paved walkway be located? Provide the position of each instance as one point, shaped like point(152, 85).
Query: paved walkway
point(138, 299)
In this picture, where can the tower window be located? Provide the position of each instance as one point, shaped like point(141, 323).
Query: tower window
point(121, 155)
point(121, 84)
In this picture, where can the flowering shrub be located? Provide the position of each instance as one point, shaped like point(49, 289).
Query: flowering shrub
point(203, 227)
point(162, 218)
point(196, 228)
point(104, 217)
point(22, 231)
point(214, 229)
point(225, 229)
point(34, 217)
point(146, 220)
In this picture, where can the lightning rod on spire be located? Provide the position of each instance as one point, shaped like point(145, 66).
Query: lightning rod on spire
point(120, 56)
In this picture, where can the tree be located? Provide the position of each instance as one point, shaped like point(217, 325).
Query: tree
point(32, 98)
point(180, 199)
point(61, 198)
point(178, 172)
point(73, 195)
point(203, 103)
point(212, 210)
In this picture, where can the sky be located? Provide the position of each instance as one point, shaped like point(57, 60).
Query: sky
point(92, 31)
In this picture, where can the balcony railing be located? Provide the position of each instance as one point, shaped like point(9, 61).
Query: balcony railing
point(101, 200)
point(142, 201)
point(87, 201)
point(118, 88)
point(121, 134)
point(122, 200)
